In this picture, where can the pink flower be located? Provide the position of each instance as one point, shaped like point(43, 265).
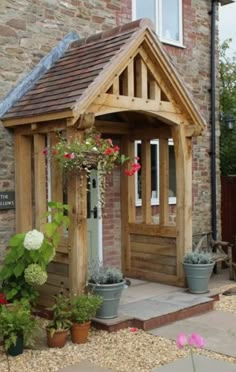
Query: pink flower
point(181, 340)
point(109, 141)
point(129, 172)
point(136, 158)
point(72, 156)
point(196, 340)
point(116, 149)
point(133, 329)
point(45, 151)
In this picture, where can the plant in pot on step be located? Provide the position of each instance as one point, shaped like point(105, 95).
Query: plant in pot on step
point(58, 328)
point(16, 326)
point(83, 308)
point(198, 268)
point(107, 282)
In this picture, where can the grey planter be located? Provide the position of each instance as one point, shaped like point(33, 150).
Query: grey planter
point(198, 276)
point(111, 294)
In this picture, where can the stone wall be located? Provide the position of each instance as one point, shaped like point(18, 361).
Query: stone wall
point(29, 29)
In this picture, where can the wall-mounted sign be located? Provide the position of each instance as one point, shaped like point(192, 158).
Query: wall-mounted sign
point(7, 200)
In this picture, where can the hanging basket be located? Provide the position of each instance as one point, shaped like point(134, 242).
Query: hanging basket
point(91, 159)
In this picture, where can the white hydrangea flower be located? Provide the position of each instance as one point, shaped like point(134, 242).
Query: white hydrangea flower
point(33, 240)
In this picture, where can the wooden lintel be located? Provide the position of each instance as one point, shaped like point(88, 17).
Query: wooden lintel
point(47, 127)
point(146, 133)
point(37, 118)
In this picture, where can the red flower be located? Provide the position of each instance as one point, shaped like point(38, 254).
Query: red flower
point(116, 149)
point(45, 151)
point(133, 329)
point(136, 166)
point(109, 151)
point(3, 300)
point(129, 172)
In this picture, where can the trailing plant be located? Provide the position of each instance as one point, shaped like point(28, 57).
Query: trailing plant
point(16, 321)
point(91, 152)
point(197, 258)
point(61, 314)
point(100, 274)
point(25, 263)
point(84, 307)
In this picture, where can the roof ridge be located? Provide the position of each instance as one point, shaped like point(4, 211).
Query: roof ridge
point(127, 27)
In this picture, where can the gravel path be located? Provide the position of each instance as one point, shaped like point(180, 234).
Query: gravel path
point(123, 351)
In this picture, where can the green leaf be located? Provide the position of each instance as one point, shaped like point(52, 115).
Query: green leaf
point(52, 204)
point(17, 240)
point(19, 269)
point(55, 240)
point(50, 229)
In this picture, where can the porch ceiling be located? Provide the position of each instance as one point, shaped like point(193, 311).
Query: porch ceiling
point(123, 69)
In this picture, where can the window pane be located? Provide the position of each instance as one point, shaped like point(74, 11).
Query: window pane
point(170, 20)
point(154, 171)
point(172, 178)
point(145, 9)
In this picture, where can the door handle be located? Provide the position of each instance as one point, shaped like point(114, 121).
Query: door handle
point(95, 212)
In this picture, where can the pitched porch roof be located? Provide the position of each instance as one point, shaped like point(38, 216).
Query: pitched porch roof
point(80, 81)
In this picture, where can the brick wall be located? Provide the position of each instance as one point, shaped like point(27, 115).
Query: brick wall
point(29, 29)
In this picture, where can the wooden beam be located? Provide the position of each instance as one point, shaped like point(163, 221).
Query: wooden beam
point(116, 86)
point(131, 78)
point(153, 230)
point(164, 181)
point(77, 200)
point(141, 79)
point(35, 119)
point(23, 174)
point(40, 196)
point(183, 156)
point(47, 127)
point(146, 133)
point(146, 181)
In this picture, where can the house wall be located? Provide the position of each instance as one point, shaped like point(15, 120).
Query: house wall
point(29, 29)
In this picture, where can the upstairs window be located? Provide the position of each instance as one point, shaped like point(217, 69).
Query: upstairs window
point(166, 16)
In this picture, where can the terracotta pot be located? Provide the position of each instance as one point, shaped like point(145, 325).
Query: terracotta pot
point(58, 339)
point(79, 332)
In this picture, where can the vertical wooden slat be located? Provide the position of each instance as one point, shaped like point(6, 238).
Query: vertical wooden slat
point(23, 173)
point(56, 174)
point(141, 79)
point(131, 79)
point(115, 86)
point(128, 212)
point(146, 181)
point(77, 198)
point(164, 181)
point(154, 91)
point(183, 156)
point(39, 180)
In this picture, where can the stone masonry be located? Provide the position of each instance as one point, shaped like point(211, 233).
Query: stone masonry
point(29, 29)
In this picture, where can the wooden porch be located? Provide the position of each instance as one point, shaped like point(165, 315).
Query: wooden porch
point(133, 93)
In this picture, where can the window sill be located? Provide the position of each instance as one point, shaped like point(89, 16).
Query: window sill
point(172, 43)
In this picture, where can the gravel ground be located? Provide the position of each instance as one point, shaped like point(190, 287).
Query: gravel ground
point(123, 351)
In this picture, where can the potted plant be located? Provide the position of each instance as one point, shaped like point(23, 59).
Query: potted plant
point(58, 328)
point(83, 308)
point(198, 267)
point(107, 282)
point(16, 326)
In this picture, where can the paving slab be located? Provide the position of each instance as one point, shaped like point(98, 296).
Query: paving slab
point(202, 364)
point(140, 290)
point(217, 327)
point(84, 366)
point(163, 304)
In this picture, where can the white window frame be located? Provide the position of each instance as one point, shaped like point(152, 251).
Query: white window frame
point(154, 201)
point(158, 22)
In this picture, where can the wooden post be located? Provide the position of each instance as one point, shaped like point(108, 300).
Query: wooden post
point(23, 174)
point(39, 180)
point(183, 156)
point(131, 79)
point(77, 199)
point(146, 181)
point(141, 79)
point(128, 212)
point(164, 181)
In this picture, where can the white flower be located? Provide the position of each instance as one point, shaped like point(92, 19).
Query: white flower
point(33, 240)
point(95, 149)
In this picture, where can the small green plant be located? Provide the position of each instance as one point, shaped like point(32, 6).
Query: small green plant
point(16, 321)
point(84, 307)
point(61, 314)
point(25, 263)
point(196, 258)
point(105, 275)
